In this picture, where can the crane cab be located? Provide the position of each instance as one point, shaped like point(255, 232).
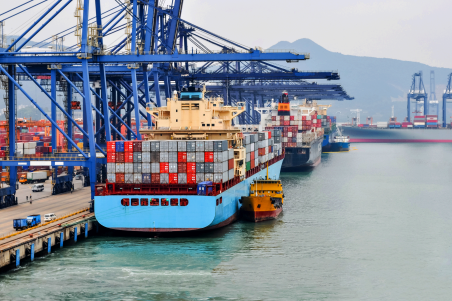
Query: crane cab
point(75, 105)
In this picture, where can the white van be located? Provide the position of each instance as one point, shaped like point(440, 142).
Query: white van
point(37, 187)
point(49, 217)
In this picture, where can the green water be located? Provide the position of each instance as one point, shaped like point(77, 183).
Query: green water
point(370, 224)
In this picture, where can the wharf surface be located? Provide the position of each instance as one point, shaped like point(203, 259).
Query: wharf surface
point(75, 222)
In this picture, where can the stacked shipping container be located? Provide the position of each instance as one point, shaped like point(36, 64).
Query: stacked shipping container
point(169, 162)
point(262, 147)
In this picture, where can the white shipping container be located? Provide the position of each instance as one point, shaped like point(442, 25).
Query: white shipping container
point(199, 157)
point(208, 177)
point(231, 153)
point(182, 178)
point(172, 167)
point(128, 167)
point(120, 167)
point(164, 178)
point(181, 146)
point(164, 146)
point(217, 177)
point(164, 156)
point(256, 161)
point(146, 146)
point(19, 146)
point(253, 147)
point(29, 151)
point(128, 178)
point(284, 139)
point(145, 157)
point(172, 157)
point(191, 157)
point(155, 167)
point(208, 146)
point(286, 118)
point(248, 148)
point(111, 178)
point(200, 177)
point(146, 167)
point(231, 174)
point(111, 167)
point(137, 178)
point(30, 145)
point(248, 157)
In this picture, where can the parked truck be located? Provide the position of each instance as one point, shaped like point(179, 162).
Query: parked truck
point(28, 222)
point(34, 177)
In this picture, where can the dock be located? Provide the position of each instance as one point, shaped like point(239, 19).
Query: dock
point(73, 222)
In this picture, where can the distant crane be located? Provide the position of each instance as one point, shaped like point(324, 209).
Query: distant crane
point(358, 119)
point(447, 95)
point(433, 101)
point(417, 92)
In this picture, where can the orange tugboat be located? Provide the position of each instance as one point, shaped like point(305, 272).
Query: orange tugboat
point(264, 202)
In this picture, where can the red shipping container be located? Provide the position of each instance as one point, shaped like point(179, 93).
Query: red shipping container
point(137, 146)
point(252, 164)
point(252, 157)
point(269, 149)
point(270, 133)
point(155, 178)
point(191, 178)
point(128, 146)
point(286, 122)
point(111, 157)
point(120, 178)
point(191, 167)
point(208, 157)
point(292, 117)
point(120, 157)
point(164, 167)
point(128, 157)
point(182, 157)
point(273, 118)
point(173, 178)
point(111, 146)
point(231, 162)
point(182, 167)
point(261, 152)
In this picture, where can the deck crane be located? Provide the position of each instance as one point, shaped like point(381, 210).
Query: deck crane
point(417, 92)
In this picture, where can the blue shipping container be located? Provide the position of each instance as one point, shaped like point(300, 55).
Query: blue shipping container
point(119, 146)
point(202, 188)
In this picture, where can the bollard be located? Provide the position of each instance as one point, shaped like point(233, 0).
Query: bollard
point(61, 239)
point(86, 229)
point(32, 252)
point(75, 234)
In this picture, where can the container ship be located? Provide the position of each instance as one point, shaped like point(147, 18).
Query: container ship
point(302, 128)
point(423, 129)
point(189, 171)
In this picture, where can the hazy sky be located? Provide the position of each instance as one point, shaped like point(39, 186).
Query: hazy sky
point(408, 30)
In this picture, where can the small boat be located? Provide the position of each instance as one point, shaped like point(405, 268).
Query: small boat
point(264, 202)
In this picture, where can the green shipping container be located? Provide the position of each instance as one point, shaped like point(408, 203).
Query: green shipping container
point(319, 116)
point(248, 166)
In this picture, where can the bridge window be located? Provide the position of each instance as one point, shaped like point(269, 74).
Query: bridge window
point(125, 202)
point(221, 200)
point(183, 202)
point(154, 202)
point(164, 202)
point(174, 202)
point(144, 202)
point(134, 202)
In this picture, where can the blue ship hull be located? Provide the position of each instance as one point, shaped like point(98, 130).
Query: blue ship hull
point(202, 212)
point(339, 146)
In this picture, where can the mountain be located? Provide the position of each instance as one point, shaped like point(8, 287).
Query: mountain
point(376, 83)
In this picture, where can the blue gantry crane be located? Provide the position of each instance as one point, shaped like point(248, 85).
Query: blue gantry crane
point(447, 95)
point(114, 82)
point(418, 93)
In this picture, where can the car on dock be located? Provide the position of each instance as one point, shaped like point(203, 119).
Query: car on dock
point(37, 188)
point(28, 222)
point(49, 217)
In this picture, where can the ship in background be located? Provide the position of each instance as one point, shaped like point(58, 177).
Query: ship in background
point(423, 129)
point(302, 126)
point(189, 172)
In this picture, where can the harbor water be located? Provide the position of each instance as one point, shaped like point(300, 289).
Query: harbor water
point(374, 223)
